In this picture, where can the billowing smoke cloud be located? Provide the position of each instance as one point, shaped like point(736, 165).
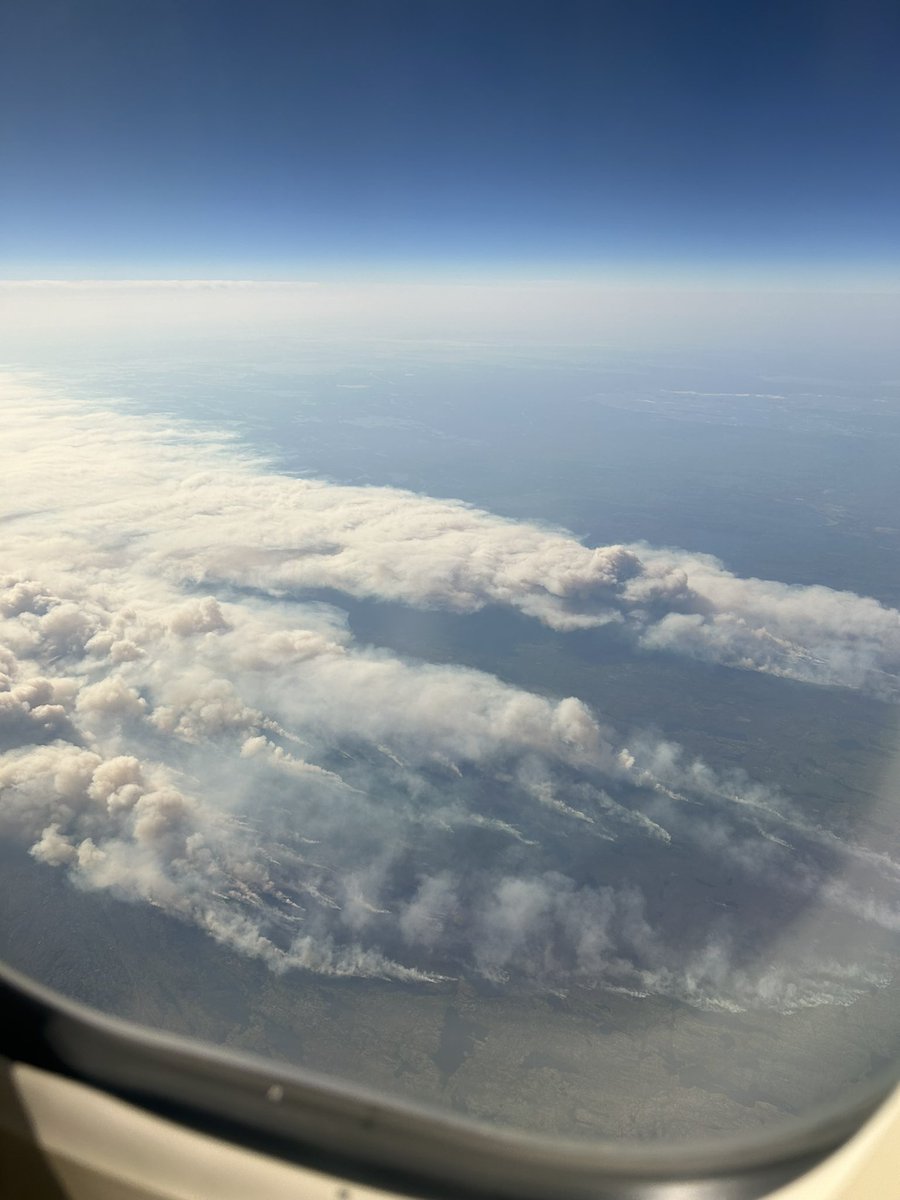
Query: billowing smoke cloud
point(220, 519)
point(178, 725)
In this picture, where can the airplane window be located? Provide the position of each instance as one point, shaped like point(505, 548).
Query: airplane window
point(449, 575)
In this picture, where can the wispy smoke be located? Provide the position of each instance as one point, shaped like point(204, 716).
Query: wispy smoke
point(178, 725)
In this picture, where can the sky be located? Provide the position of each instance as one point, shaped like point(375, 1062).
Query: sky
point(386, 138)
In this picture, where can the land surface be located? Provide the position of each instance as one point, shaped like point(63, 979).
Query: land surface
point(591, 1063)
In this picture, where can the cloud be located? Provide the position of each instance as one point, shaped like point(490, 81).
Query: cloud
point(180, 726)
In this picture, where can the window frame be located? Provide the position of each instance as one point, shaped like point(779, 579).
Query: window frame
point(309, 1119)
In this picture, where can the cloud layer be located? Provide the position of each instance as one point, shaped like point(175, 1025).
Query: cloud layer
point(178, 724)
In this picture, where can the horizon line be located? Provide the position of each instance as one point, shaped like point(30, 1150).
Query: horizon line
point(678, 282)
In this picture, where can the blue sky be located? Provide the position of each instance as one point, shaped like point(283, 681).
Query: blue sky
point(210, 138)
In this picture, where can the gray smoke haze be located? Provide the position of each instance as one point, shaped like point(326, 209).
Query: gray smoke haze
point(234, 758)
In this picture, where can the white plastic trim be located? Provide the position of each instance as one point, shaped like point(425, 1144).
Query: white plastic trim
point(108, 1141)
point(100, 1147)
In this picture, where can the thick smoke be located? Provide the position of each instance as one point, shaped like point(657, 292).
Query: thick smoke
point(202, 514)
point(179, 726)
